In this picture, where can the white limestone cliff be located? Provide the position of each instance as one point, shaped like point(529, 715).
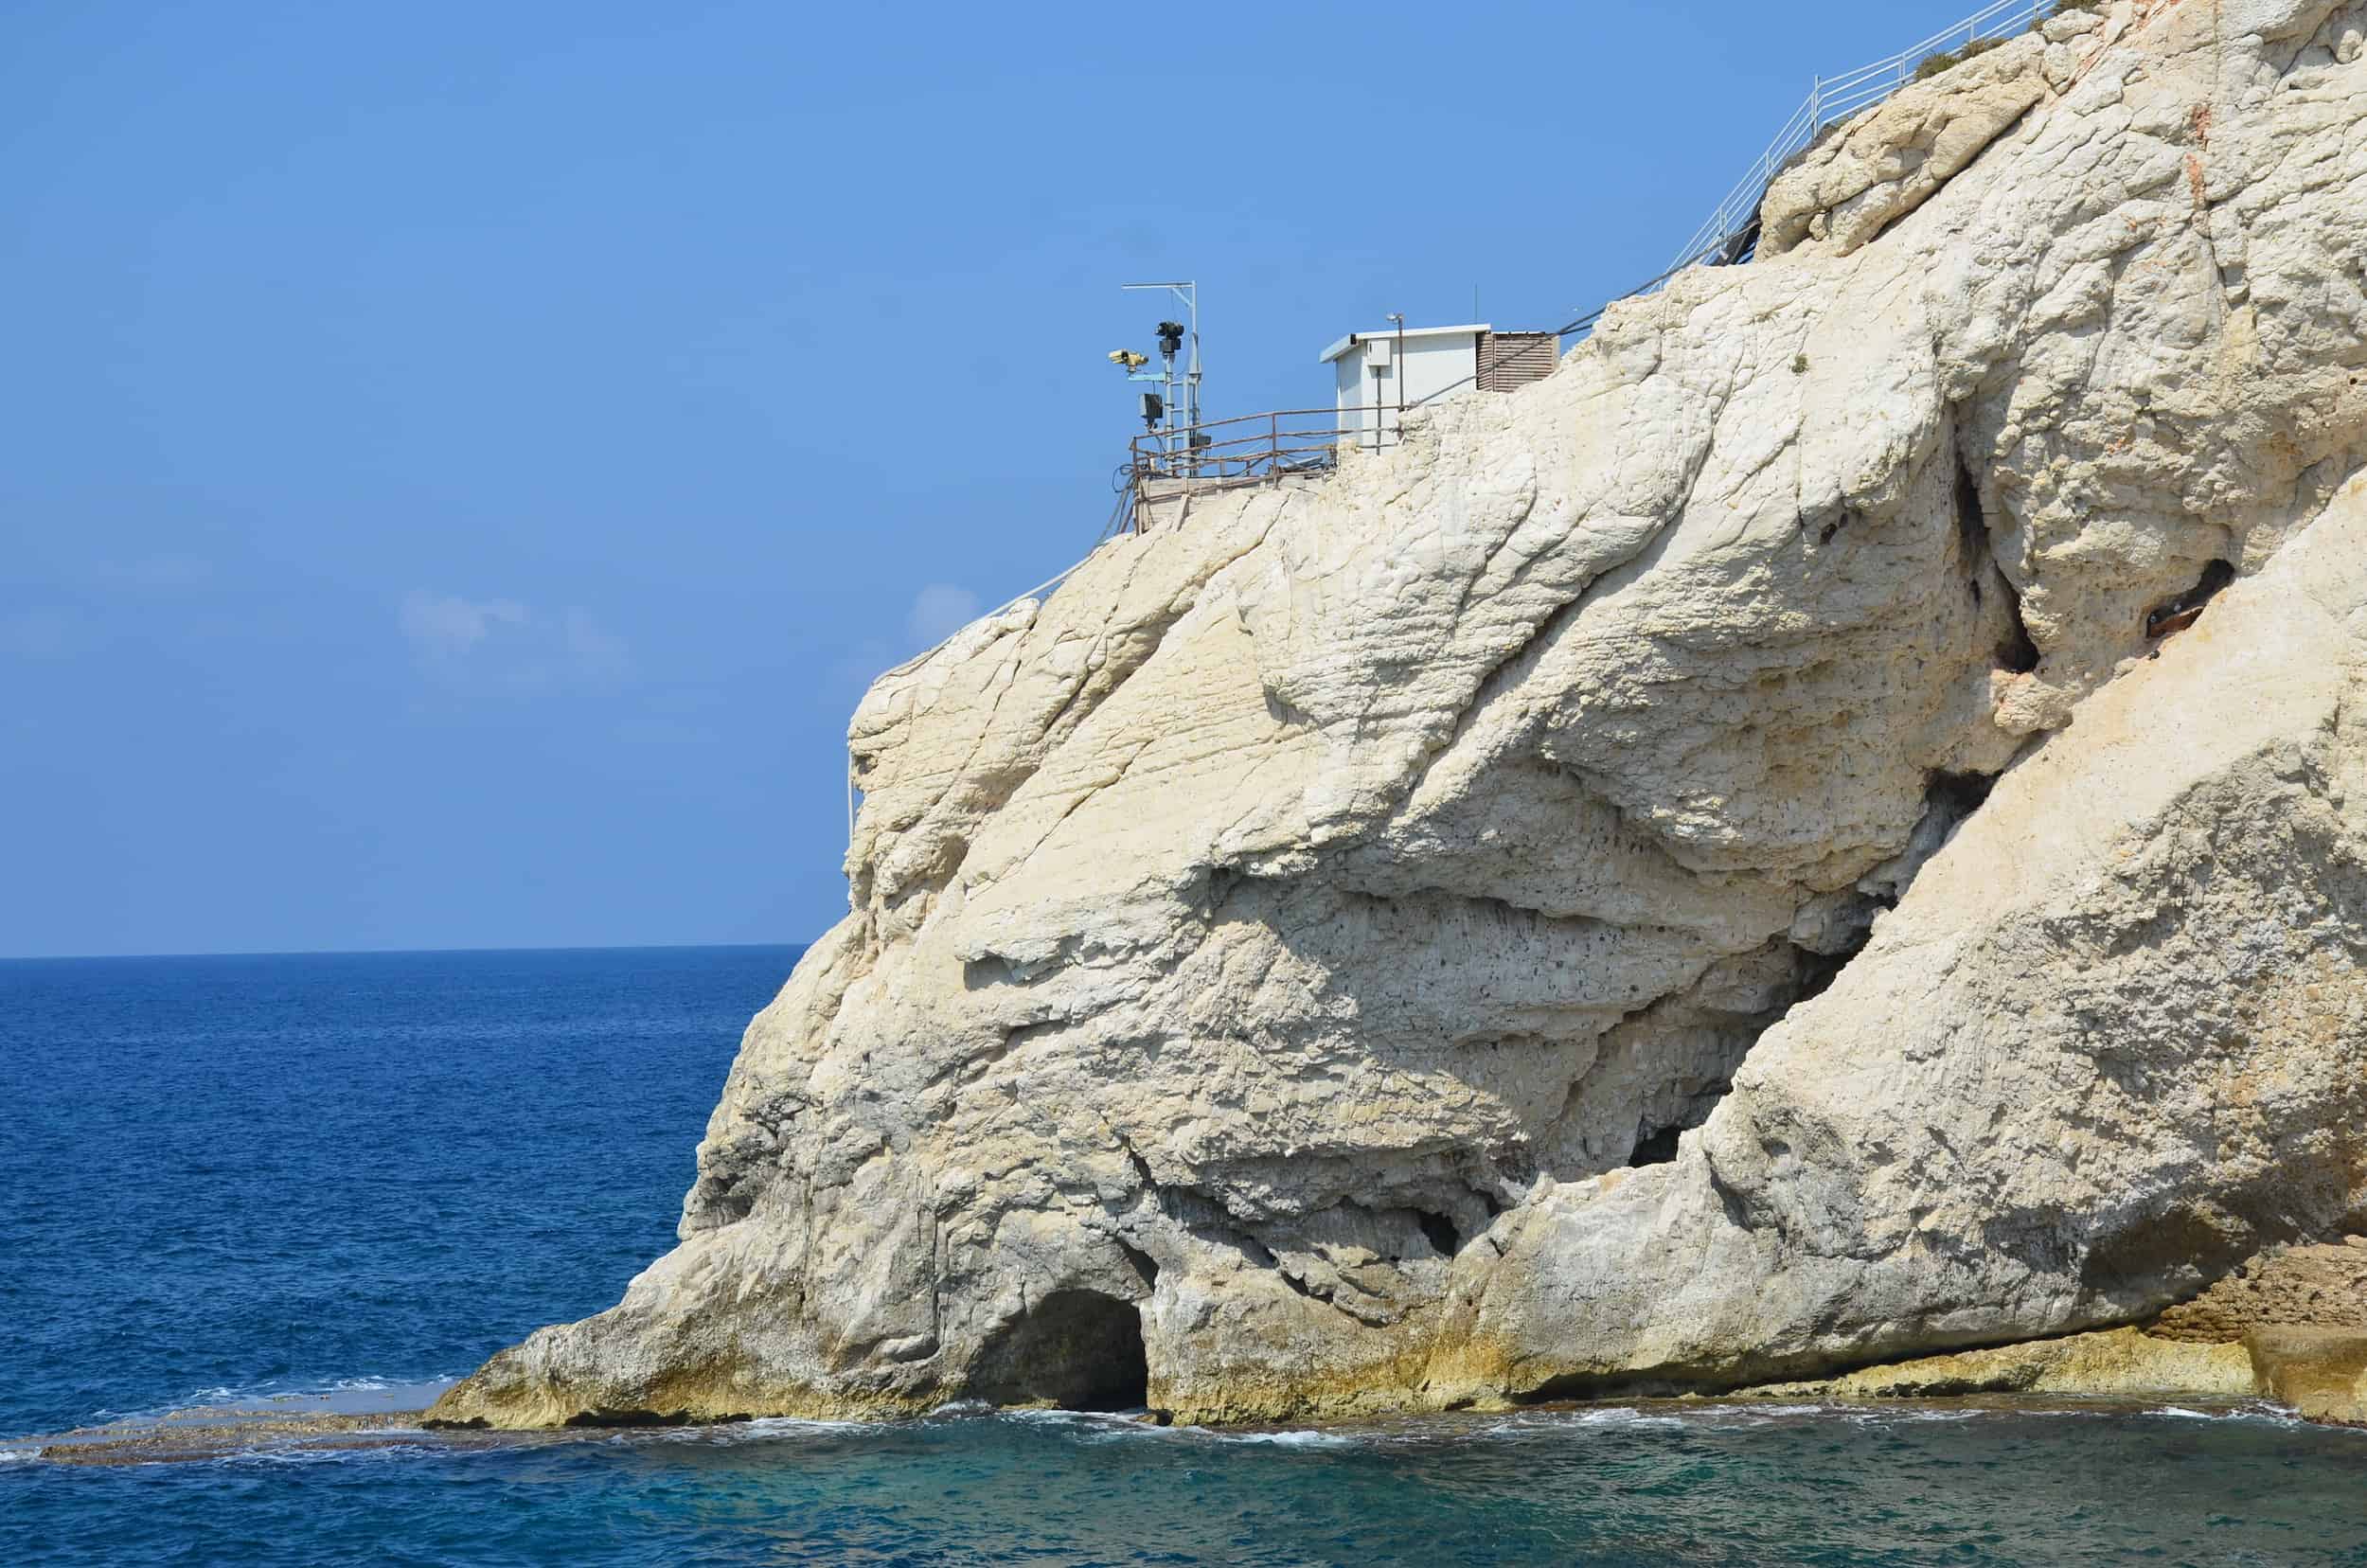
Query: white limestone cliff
point(1691, 873)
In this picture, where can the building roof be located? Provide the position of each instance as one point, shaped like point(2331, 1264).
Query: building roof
point(1392, 334)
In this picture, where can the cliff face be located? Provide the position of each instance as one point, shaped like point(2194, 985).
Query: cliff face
point(1692, 872)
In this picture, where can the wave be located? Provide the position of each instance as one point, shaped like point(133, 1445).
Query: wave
point(2257, 1410)
point(1608, 1415)
point(763, 1429)
point(1106, 1425)
point(372, 1454)
point(1279, 1439)
point(1102, 1425)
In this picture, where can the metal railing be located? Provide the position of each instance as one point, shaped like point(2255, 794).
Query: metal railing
point(1259, 446)
point(1248, 448)
point(1728, 232)
point(1254, 447)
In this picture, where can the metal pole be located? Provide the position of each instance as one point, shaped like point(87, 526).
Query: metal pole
point(1396, 371)
point(1191, 385)
point(1189, 291)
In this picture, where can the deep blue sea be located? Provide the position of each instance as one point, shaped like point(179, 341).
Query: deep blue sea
point(229, 1178)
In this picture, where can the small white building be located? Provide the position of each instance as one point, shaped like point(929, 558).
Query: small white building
point(1378, 374)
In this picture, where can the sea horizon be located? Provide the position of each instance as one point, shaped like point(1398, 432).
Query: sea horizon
point(394, 951)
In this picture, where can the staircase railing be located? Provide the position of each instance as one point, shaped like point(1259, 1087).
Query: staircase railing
point(1268, 446)
point(1838, 98)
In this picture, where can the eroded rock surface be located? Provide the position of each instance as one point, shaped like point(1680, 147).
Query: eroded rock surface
point(2319, 1372)
point(2322, 1287)
point(1687, 874)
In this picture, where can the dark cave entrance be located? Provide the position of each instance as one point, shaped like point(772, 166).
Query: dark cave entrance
point(2016, 654)
point(1656, 1147)
point(1077, 1349)
point(2178, 614)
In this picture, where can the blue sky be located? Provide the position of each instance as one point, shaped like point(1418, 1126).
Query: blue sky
point(464, 462)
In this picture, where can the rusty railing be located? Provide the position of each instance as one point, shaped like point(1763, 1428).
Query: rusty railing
point(1247, 449)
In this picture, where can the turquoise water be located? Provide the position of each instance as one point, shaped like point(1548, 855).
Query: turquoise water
point(232, 1177)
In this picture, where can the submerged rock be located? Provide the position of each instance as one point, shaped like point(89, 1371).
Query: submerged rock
point(1759, 854)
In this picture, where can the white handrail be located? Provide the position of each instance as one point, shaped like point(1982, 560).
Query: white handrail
point(1836, 98)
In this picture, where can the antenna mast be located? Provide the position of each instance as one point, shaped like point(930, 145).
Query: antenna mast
point(1182, 414)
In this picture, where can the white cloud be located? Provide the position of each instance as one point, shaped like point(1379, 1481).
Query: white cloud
point(445, 626)
point(509, 641)
point(940, 611)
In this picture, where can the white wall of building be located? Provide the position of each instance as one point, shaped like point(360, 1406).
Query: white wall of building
point(1368, 369)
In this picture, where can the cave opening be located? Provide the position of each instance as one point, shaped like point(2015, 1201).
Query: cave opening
point(1074, 1350)
point(1659, 1149)
point(1972, 524)
point(2178, 614)
point(2017, 654)
point(1440, 1233)
point(1956, 795)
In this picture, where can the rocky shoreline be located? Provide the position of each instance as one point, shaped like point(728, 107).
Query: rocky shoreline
point(1830, 832)
point(2289, 1330)
point(2316, 1374)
